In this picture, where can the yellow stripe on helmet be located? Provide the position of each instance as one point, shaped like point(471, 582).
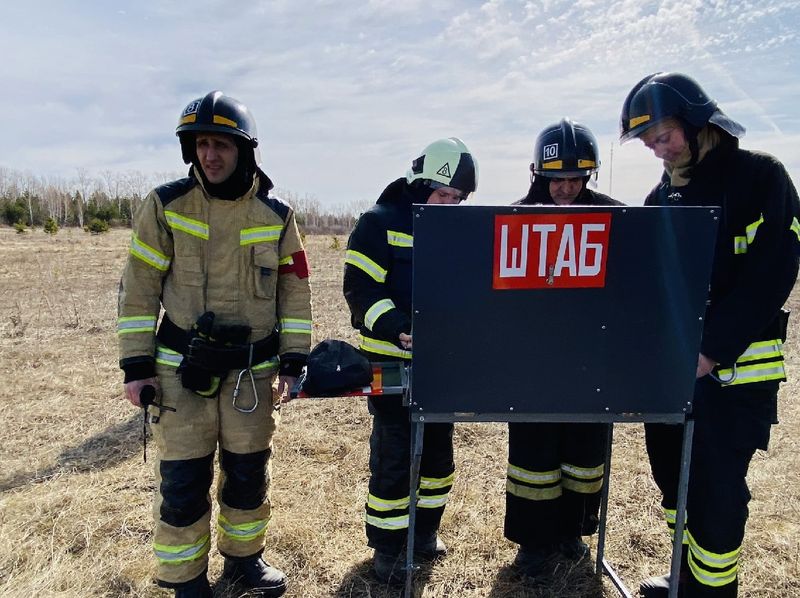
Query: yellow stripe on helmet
point(221, 120)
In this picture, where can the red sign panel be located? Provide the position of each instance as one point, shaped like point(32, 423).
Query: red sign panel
point(533, 251)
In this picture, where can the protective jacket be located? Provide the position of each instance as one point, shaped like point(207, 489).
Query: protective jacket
point(192, 253)
point(243, 260)
point(377, 272)
point(755, 263)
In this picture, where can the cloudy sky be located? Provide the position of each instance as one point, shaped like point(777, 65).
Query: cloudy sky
point(347, 92)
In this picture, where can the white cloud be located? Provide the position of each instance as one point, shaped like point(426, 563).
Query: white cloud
point(346, 92)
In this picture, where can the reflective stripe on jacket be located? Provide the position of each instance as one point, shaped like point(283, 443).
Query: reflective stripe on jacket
point(191, 253)
point(377, 272)
point(756, 258)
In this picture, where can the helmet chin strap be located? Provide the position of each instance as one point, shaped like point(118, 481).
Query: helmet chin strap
point(420, 191)
point(694, 149)
point(691, 132)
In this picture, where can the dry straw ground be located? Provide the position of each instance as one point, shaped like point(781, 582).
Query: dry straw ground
point(75, 495)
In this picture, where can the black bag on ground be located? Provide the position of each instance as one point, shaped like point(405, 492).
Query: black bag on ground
point(335, 366)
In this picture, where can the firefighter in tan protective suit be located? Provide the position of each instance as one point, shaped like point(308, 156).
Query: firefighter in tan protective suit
point(225, 261)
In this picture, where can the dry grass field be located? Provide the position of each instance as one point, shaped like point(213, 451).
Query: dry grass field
point(75, 495)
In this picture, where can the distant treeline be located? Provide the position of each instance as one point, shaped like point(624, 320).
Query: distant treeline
point(112, 197)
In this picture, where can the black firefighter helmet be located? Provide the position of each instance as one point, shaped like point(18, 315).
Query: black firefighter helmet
point(660, 96)
point(563, 149)
point(335, 366)
point(216, 113)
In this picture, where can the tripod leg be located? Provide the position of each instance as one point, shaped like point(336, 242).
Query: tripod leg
point(417, 430)
point(601, 532)
point(680, 515)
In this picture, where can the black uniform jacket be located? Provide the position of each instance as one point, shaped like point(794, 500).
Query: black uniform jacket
point(538, 194)
point(377, 272)
point(756, 258)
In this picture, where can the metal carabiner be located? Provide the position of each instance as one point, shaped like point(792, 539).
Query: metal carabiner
point(725, 382)
point(252, 382)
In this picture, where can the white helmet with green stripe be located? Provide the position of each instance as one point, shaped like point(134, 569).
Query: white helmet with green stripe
point(446, 162)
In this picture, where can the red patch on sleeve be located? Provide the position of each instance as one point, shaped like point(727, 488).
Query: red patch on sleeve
point(299, 265)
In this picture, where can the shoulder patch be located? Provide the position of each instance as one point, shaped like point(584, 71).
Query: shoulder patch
point(278, 206)
point(174, 189)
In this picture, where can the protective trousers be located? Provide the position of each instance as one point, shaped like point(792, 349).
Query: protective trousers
point(389, 460)
point(187, 440)
point(554, 481)
point(730, 424)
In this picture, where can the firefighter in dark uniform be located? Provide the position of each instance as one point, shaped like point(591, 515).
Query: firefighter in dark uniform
point(555, 470)
point(741, 362)
point(225, 261)
point(377, 287)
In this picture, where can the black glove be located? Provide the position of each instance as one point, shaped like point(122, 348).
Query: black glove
point(196, 375)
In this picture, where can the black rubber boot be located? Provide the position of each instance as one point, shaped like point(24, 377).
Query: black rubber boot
point(658, 587)
point(574, 549)
point(534, 561)
point(389, 567)
point(255, 574)
point(655, 587)
point(430, 548)
point(196, 588)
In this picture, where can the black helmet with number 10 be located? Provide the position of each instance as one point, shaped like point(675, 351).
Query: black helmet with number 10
point(216, 113)
point(565, 149)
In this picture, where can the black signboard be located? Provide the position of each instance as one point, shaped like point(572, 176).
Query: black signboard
point(558, 313)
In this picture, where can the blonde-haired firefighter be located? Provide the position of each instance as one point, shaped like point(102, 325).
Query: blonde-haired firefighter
point(740, 364)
